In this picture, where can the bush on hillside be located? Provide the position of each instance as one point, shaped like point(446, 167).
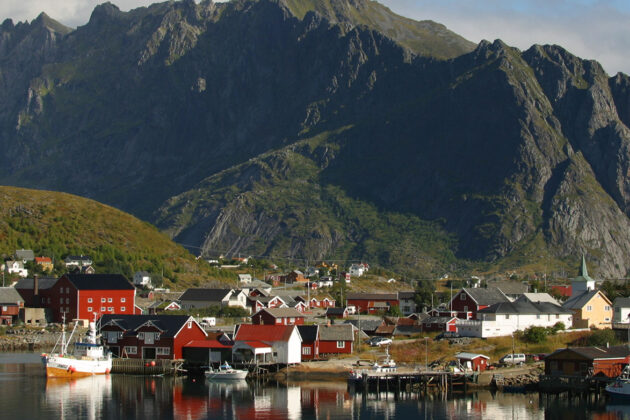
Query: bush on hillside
point(601, 338)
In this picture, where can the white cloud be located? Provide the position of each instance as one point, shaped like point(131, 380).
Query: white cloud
point(592, 29)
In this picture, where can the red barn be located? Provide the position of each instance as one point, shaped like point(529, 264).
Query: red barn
point(474, 299)
point(80, 296)
point(278, 316)
point(149, 336)
point(336, 339)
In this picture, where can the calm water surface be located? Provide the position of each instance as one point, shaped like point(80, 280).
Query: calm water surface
point(26, 394)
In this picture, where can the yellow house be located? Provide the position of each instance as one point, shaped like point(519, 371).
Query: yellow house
point(590, 308)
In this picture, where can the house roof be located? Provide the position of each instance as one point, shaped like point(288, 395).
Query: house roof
point(385, 329)
point(43, 283)
point(524, 307)
point(99, 281)
point(340, 332)
point(406, 295)
point(205, 295)
point(485, 296)
point(511, 287)
point(593, 353)
point(407, 329)
point(539, 297)
point(438, 319)
point(368, 325)
point(78, 258)
point(208, 344)
point(282, 312)
point(25, 254)
point(43, 260)
point(622, 302)
point(419, 316)
point(168, 324)
point(8, 295)
point(372, 296)
point(335, 311)
point(578, 301)
point(265, 333)
point(308, 333)
point(470, 356)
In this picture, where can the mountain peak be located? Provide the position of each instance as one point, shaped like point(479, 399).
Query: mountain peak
point(45, 21)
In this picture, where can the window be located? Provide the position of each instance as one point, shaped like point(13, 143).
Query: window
point(189, 324)
point(341, 344)
point(67, 290)
point(537, 316)
point(123, 300)
point(89, 309)
point(589, 308)
point(140, 336)
point(278, 321)
point(163, 351)
point(557, 316)
point(61, 290)
point(507, 316)
point(102, 300)
point(60, 300)
point(462, 296)
point(102, 309)
point(109, 300)
point(89, 300)
point(67, 301)
point(292, 320)
point(110, 309)
point(607, 308)
point(122, 309)
point(306, 351)
point(131, 349)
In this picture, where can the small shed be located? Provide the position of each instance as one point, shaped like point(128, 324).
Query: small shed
point(472, 361)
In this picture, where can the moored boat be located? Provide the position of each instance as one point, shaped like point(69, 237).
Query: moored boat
point(88, 358)
point(225, 372)
point(621, 386)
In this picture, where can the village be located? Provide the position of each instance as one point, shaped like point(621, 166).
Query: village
point(292, 322)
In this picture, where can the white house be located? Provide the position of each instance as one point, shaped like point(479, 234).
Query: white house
point(203, 298)
point(356, 270)
point(505, 318)
point(142, 278)
point(245, 278)
point(621, 310)
point(16, 267)
point(285, 340)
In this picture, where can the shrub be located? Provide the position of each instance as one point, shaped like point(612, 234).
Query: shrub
point(601, 338)
point(558, 326)
point(535, 335)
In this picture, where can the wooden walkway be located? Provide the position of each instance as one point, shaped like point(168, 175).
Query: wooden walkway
point(412, 382)
point(147, 367)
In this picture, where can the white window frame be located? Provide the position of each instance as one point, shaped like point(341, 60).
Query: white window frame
point(89, 309)
point(102, 309)
point(102, 300)
point(123, 300)
point(462, 296)
point(122, 309)
point(131, 349)
point(341, 344)
point(109, 300)
point(110, 309)
point(589, 308)
point(89, 300)
point(162, 351)
point(306, 351)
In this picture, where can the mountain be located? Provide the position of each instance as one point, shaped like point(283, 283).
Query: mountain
point(324, 129)
point(57, 224)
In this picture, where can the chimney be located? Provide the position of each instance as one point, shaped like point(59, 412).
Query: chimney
point(36, 290)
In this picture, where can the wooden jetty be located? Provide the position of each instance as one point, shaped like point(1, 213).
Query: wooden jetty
point(409, 382)
point(147, 367)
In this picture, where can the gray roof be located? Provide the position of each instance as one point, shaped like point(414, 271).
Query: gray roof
point(372, 296)
point(622, 302)
point(593, 353)
point(367, 325)
point(308, 333)
point(512, 287)
point(335, 311)
point(578, 301)
point(44, 283)
point(25, 254)
point(336, 332)
point(437, 319)
point(169, 324)
point(539, 297)
point(469, 356)
point(8, 295)
point(524, 307)
point(485, 296)
point(205, 295)
point(283, 312)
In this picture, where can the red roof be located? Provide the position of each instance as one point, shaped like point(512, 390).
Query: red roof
point(249, 332)
point(564, 290)
point(207, 344)
point(43, 260)
point(257, 344)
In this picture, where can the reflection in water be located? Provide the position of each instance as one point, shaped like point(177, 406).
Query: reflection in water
point(27, 394)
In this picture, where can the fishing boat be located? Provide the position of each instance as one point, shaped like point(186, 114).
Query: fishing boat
point(621, 386)
point(225, 372)
point(88, 357)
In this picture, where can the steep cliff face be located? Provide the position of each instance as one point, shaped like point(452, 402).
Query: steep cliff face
point(319, 128)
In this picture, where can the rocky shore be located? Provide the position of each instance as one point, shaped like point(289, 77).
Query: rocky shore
point(26, 339)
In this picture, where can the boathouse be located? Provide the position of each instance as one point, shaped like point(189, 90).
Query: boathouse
point(336, 339)
point(149, 336)
point(472, 361)
point(284, 340)
point(591, 361)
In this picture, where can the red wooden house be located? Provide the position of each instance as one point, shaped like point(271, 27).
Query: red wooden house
point(372, 302)
point(338, 313)
point(149, 336)
point(336, 339)
point(278, 316)
point(10, 304)
point(472, 361)
point(36, 292)
point(440, 324)
point(310, 341)
point(475, 299)
point(81, 296)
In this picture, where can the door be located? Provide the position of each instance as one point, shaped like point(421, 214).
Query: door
point(148, 352)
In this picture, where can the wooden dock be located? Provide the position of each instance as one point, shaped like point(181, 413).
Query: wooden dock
point(411, 382)
point(147, 367)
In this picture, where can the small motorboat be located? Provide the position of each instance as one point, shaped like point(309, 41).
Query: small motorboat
point(225, 372)
point(621, 386)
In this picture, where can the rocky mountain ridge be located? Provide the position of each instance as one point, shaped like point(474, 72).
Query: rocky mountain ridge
point(323, 129)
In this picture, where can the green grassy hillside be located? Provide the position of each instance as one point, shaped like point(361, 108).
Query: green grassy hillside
point(57, 224)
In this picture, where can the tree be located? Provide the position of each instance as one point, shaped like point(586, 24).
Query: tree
point(535, 334)
point(601, 338)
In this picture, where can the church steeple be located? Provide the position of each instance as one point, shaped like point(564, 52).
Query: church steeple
point(583, 270)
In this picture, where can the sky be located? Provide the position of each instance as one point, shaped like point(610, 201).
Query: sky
point(591, 29)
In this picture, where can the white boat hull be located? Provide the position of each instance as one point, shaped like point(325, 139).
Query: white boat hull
point(71, 367)
point(231, 375)
point(619, 389)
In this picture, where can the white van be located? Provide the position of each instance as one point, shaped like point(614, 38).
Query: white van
point(351, 310)
point(513, 359)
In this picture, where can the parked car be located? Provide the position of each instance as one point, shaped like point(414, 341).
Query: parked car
point(513, 359)
point(379, 341)
point(447, 334)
